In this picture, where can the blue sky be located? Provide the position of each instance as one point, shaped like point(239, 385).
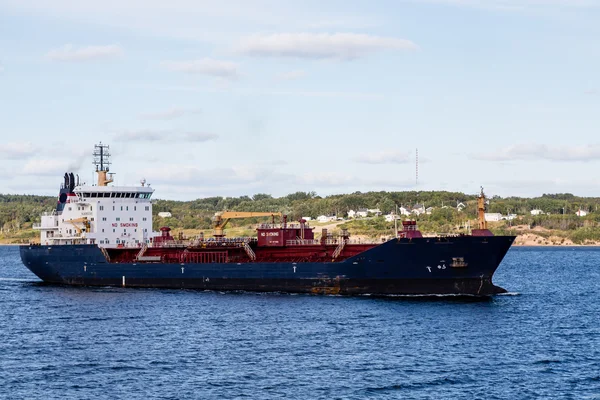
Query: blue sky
point(233, 98)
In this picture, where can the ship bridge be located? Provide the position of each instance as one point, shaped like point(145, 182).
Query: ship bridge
point(85, 193)
point(108, 216)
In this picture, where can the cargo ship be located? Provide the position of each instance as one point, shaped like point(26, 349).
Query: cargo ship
point(101, 235)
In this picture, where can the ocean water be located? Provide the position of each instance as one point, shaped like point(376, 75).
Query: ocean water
point(542, 340)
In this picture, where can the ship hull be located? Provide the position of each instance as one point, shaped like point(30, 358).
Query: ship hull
point(424, 266)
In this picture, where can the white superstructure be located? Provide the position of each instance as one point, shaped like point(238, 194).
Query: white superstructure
point(109, 216)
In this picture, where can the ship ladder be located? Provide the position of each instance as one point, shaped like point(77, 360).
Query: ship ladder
point(249, 251)
point(103, 250)
point(142, 251)
point(338, 250)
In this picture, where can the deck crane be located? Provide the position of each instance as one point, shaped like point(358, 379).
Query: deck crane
point(222, 218)
point(84, 221)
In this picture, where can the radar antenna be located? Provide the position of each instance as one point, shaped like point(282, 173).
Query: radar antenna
point(102, 163)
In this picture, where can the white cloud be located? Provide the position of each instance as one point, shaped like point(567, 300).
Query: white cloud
point(148, 135)
point(326, 179)
point(163, 135)
point(517, 5)
point(46, 167)
point(199, 136)
point(90, 53)
point(204, 66)
point(592, 92)
point(536, 152)
point(171, 113)
point(342, 46)
point(291, 75)
point(18, 150)
point(384, 157)
point(231, 176)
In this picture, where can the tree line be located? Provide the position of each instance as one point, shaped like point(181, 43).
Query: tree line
point(18, 212)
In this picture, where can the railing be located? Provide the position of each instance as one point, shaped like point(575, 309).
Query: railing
point(249, 251)
point(302, 242)
point(38, 225)
point(328, 242)
point(105, 253)
point(59, 236)
point(142, 251)
point(280, 226)
point(338, 249)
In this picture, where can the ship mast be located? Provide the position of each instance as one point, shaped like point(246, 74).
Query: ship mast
point(481, 210)
point(102, 163)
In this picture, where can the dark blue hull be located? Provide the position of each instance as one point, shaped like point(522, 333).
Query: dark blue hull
point(399, 266)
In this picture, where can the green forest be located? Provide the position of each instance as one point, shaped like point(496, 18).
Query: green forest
point(19, 212)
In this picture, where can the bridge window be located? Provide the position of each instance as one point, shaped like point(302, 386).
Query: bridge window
point(118, 218)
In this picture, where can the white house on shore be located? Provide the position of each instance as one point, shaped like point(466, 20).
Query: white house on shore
point(537, 212)
point(509, 217)
point(404, 211)
point(493, 217)
point(164, 214)
point(326, 218)
point(391, 217)
point(362, 212)
point(581, 213)
point(418, 209)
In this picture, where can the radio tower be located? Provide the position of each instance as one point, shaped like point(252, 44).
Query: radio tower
point(417, 168)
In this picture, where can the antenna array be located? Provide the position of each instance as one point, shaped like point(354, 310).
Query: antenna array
point(101, 157)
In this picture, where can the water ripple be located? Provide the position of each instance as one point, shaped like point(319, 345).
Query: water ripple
point(540, 340)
